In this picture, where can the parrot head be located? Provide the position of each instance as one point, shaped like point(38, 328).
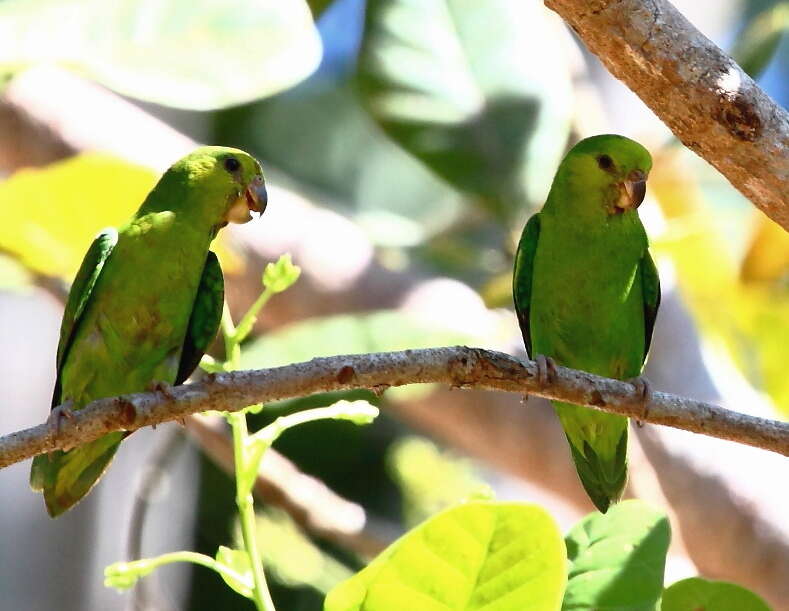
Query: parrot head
point(226, 184)
point(615, 165)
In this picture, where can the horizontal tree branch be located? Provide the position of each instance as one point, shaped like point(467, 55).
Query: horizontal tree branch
point(697, 90)
point(459, 367)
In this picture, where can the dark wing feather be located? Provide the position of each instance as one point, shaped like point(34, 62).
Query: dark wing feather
point(205, 317)
point(522, 277)
point(79, 297)
point(650, 288)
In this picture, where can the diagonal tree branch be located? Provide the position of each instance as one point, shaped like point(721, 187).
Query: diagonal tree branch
point(697, 90)
point(459, 367)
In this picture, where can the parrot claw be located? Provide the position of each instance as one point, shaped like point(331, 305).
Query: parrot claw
point(162, 387)
point(644, 389)
point(56, 416)
point(546, 369)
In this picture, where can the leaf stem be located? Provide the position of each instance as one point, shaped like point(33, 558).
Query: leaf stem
point(246, 512)
point(233, 336)
point(232, 347)
point(147, 565)
point(248, 320)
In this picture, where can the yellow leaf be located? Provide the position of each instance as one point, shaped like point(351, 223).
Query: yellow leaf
point(750, 320)
point(50, 215)
point(767, 259)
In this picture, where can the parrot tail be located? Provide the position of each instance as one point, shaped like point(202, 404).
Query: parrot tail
point(603, 480)
point(66, 477)
point(598, 442)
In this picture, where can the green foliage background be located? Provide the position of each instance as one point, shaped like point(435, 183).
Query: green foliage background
point(437, 134)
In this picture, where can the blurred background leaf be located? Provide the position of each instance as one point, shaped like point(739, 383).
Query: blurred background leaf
point(326, 156)
point(759, 40)
point(292, 557)
point(732, 266)
point(51, 214)
point(446, 83)
point(434, 128)
point(430, 478)
point(219, 52)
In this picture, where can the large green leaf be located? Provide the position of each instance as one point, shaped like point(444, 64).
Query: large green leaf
point(479, 91)
point(196, 54)
point(392, 196)
point(703, 595)
point(480, 555)
point(617, 559)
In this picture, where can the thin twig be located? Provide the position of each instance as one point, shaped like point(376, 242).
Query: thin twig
point(310, 503)
point(697, 90)
point(458, 366)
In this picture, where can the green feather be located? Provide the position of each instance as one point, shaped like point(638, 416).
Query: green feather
point(522, 277)
point(146, 313)
point(650, 287)
point(205, 318)
point(586, 293)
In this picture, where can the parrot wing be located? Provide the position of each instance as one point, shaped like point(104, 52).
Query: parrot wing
point(650, 288)
point(522, 277)
point(79, 297)
point(78, 300)
point(205, 317)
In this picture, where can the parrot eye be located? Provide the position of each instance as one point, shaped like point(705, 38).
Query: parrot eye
point(232, 164)
point(605, 162)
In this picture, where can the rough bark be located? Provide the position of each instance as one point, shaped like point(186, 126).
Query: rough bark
point(698, 91)
point(458, 367)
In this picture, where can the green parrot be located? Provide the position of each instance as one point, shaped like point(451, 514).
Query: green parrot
point(587, 292)
point(145, 304)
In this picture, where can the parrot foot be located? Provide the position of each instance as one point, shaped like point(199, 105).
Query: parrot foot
point(644, 390)
point(58, 414)
point(546, 369)
point(163, 388)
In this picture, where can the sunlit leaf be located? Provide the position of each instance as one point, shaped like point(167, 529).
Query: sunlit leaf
point(696, 593)
point(479, 555)
point(51, 215)
point(238, 561)
point(481, 96)
point(617, 559)
point(197, 54)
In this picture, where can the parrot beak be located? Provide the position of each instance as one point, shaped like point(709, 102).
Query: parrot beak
point(632, 191)
point(253, 199)
point(256, 195)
